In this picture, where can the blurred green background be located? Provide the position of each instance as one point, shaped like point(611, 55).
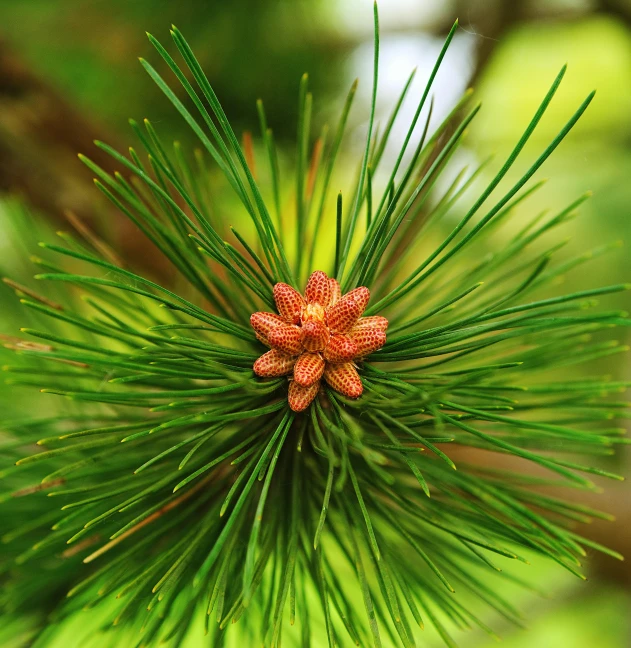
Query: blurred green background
point(68, 74)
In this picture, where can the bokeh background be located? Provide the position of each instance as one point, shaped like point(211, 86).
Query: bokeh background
point(69, 73)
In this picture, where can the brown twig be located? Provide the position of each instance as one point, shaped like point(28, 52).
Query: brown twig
point(31, 293)
point(149, 519)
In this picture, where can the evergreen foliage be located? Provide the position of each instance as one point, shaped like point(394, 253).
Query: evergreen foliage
point(174, 484)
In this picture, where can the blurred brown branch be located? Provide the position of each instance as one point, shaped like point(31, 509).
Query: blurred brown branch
point(620, 9)
point(40, 136)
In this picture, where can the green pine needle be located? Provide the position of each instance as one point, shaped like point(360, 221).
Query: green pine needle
point(173, 488)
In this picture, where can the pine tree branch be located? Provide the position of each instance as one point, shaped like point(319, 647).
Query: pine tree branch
point(40, 136)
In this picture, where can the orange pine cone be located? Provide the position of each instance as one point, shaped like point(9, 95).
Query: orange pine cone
point(373, 322)
point(344, 379)
point(286, 338)
point(308, 369)
point(289, 302)
point(263, 323)
point(336, 291)
point(361, 295)
point(344, 314)
point(301, 397)
point(318, 290)
point(367, 341)
point(274, 363)
point(317, 336)
point(341, 348)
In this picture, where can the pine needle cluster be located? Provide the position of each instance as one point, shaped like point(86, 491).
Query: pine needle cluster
point(175, 488)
